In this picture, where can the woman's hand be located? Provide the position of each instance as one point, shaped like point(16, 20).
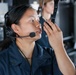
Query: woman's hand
point(55, 38)
point(54, 34)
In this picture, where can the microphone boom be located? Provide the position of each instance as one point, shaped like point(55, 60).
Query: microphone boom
point(32, 34)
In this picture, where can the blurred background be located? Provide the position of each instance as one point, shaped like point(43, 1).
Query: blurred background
point(64, 16)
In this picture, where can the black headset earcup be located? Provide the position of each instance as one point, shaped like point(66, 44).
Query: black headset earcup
point(9, 32)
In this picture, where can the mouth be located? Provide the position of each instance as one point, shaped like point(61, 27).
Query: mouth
point(39, 31)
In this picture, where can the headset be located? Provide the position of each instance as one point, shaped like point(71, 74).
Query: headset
point(8, 30)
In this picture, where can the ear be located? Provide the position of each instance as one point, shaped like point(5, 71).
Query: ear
point(43, 6)
point(15, 28)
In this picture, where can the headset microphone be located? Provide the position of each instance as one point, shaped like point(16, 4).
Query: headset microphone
point(32, 34)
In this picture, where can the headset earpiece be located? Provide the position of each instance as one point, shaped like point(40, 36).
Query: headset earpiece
point(8, 30)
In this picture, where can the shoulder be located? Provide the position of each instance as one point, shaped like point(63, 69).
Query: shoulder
point(4, 55)
point(3, 59)
point(47, 50)
point(4, 52)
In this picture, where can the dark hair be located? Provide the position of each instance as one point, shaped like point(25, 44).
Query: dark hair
point(13, 16)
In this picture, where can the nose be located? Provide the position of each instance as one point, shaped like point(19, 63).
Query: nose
point(37, 24)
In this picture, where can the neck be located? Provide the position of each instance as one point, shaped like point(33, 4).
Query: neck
point(46, 16)
point(26, 47)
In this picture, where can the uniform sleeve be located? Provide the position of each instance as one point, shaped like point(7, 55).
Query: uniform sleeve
point(56, 70)
point(55, 67)
point(1, 69)
point(1, 73)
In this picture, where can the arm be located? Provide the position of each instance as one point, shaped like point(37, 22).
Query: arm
point(55, 38)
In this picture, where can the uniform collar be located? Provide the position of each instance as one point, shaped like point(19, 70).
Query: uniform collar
point(14, 54)
point(40, 56)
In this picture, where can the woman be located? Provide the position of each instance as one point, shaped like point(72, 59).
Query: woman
point(47, 8)
point(25, 57)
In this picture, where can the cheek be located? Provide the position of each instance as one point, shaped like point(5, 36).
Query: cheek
point(23, 30)
point(50, 9)
point(28, 29)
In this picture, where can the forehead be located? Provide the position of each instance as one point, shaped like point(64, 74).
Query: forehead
point(50, 1)
point(30, 13)
point(45, 1)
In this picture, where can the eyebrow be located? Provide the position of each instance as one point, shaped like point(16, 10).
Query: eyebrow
point(32, 16)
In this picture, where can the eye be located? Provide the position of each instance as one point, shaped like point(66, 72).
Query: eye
point(31, 20)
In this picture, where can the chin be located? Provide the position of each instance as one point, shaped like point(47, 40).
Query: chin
point(37, 38)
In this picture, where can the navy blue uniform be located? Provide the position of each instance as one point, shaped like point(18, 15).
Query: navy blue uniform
point(43, 41)
point(13, 63)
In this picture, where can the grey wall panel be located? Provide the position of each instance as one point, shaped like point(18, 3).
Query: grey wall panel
point(66, 18)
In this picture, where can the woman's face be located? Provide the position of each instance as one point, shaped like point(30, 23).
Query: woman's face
point(49, 7)
point(29, 23)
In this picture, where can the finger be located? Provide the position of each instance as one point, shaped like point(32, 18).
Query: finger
point(51, 22)
point(48, 25)
point(52, 25)
point(48, 28)
point(58, 29)
point(47, 32)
